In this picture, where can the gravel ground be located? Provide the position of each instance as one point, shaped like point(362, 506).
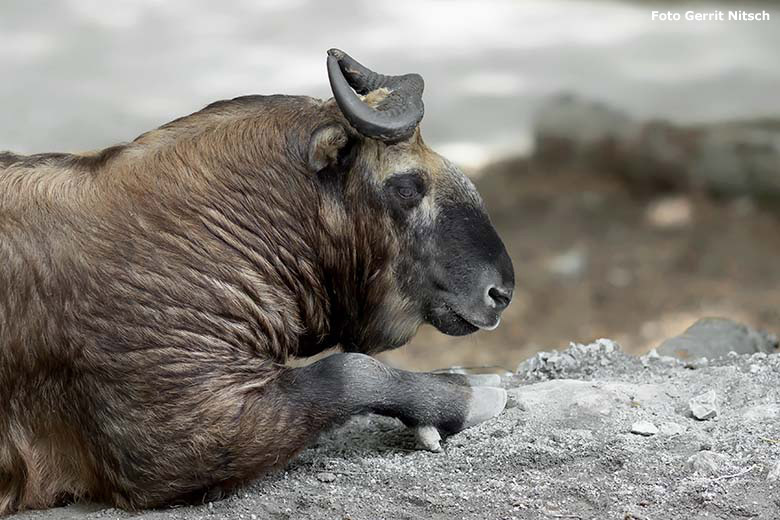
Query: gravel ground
point(563, 448)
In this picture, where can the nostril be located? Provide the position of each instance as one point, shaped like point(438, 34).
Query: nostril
point(500, 297)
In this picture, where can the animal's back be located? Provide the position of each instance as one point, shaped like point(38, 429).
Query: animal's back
point(6, 159)
point(33, 468)
point(118, 337)
point(30, 257)
point(37, 220)
point(143, 309)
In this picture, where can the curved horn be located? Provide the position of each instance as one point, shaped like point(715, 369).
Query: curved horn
point(396, 116)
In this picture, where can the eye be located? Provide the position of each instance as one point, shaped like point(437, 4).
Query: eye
point(406, 192)
point(407, 189)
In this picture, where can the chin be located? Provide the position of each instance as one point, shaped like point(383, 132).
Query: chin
point(448, 322)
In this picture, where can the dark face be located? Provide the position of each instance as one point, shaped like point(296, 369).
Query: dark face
point(452, 265)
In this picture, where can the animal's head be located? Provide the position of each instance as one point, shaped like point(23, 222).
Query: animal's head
point(451, 269)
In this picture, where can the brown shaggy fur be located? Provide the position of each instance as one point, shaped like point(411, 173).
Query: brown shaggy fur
point(151, 294)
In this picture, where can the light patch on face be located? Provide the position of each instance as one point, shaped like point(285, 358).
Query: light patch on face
point(426, 212)
point(399, 319)
point(455, 186)
point(384, 160)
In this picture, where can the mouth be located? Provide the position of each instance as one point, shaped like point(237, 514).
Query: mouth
point(452, 322)
point(471, 321)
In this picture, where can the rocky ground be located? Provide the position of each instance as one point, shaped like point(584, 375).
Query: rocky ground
point(589, 433)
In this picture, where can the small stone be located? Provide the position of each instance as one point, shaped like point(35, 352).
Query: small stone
point(645, 428)
point(670, 212)
point(671, 428)
point(774, 472)
point(704, 406)
point(709, 463)
point(326, 477)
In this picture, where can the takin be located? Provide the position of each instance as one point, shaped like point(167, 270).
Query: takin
point(152, 294)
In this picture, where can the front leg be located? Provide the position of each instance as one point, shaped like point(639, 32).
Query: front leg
point(343, 385)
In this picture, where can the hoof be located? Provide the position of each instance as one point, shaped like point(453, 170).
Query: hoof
point(429, 438)
point(486, 403)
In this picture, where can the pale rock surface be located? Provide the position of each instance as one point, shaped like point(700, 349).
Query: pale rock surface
point(644, 428)
point(704, 406)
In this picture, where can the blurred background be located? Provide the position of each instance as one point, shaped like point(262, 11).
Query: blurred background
point(632, 166)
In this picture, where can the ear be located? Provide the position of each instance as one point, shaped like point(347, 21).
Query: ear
point(324, 146)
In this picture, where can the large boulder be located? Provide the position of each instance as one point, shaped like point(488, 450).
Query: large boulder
point(716, 337)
